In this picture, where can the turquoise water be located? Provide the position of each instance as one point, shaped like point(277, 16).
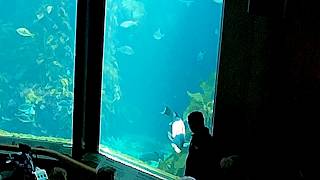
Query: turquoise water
point(157, 53)
point(36, 68)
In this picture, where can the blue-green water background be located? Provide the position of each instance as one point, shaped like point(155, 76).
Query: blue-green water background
point(159, 72)
point(37, 66)
point(136, 86)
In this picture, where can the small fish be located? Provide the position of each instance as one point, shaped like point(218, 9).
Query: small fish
point(34, 124)
point(57, 63)
point(55, 26)
point(62, 40)
point(49, 39)
point(64, 103)
point(54, 46)
point(47, 86)
point(42, 106)
point(63, 12)
point(11, 102)
point(49, 9)
point(67, 24)
point(126, 50)
point(218, 1)
point(64, 81)
point(39, 60)
point(158, 35)
point(24, 32)
point(5, 119)
point(129, 23)
point(186, 2)
point(200, 56)
point(40, 16)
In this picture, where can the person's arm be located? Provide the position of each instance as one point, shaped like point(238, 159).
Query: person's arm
point(189, 170)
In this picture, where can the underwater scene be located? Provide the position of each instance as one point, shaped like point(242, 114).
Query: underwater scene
point(160, 64)
point(37, 67)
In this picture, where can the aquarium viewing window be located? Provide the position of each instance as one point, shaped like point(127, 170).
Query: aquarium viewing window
point(36, 69)
point(160, 57)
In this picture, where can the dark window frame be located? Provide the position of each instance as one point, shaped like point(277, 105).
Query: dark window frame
point(88, 76)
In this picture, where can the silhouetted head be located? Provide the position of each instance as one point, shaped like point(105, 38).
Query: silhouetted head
point(58, 173)
point(106, 173)
point(196, 121)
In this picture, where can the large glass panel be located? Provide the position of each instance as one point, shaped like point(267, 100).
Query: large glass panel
point(37, 40)
point(158, 55)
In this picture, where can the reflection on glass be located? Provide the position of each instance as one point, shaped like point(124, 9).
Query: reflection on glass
point(160, 63)
point(36, 68)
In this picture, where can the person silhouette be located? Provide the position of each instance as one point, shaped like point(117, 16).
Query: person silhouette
point(199, 149)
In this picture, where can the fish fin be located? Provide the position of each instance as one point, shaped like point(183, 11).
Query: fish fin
point(186, 144)
point(167, 111)
point(170, 136)
point(176, 148)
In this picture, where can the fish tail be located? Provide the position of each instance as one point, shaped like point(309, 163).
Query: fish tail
point(167, 111)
